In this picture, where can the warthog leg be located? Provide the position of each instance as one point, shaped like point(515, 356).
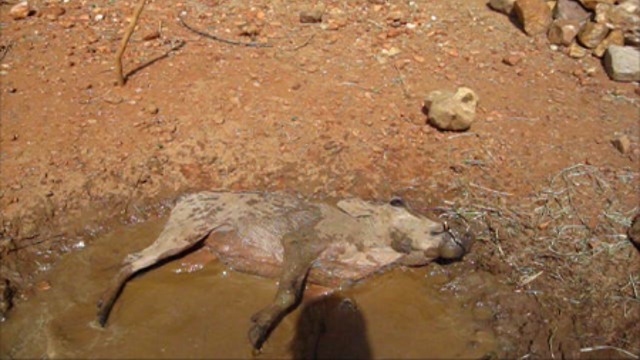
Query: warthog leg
point(183, 231)
point(298, 259)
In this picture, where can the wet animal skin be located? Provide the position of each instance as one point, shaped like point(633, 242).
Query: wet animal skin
point(284, 236)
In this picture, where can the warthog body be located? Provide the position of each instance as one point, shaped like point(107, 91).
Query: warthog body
point(272, 234)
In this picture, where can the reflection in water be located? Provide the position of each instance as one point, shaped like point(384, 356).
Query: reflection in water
point(331, 327)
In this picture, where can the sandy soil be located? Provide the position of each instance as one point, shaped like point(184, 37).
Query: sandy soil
point(333, 109)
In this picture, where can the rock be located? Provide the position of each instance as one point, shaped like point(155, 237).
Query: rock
point(155, 34)
point(618, 17)
point(534, 15)
point(576, 51)
point(634, 231)
point(53, 12)
point(6, 298)
point(312, 16)
point(563, 32)
point(249, 29)
point(622, 143)
point(512, 60)
point(449, 111)
point(615, 37)
point(592, 34)
point(622, 63)
point(571, 10)
point(591, 4)
point(20, 11)
point(152, 109)
point(601, 13)
point(503, 6)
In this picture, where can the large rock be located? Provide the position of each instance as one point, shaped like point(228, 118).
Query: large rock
point(503, 6)
point(592, 34)
point(562, 32)
point(452, 111)
point(534, 15)
point(571, 10)
point(622, 63)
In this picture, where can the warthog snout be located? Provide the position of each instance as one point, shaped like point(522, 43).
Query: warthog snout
point(456, 242)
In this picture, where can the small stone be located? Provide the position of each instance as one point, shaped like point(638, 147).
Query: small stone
point(152, 109)
point(53, 12)
point(571, 10)
point(43, 285)
point(151, 36)
point(615, 37)
point(576, 51)
point(219, 119)
point(249, 29)
point(592, 34)
point(20, 11)
point(449, 111)
point(562, 32)
point(311, 16)
point(634, 231)
point(6, 298)
point(591, 4)
point(503, 6)
point(622, 143)
point(534, 16)
point(622, 63)
point(512, 60)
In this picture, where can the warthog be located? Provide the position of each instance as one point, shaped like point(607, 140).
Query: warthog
point(273, 234)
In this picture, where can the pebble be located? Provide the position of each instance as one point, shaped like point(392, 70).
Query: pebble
point(311, 16)
point(151, 36)
point(20, 11)
point(53, 12)
point(622, 144)
point(576, 51)
point(512, 60)
point(634, 231)
point(503, 6)
point(152, 109)
point(43, 285)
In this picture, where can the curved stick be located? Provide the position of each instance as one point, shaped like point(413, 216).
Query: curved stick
point(125, 40)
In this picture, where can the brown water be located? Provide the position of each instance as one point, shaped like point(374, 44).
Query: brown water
point(183, 311)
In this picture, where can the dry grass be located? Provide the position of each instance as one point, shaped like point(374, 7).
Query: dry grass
point(565, 244)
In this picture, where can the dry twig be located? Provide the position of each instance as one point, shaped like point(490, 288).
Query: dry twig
point(125, 40)
point(226, 41)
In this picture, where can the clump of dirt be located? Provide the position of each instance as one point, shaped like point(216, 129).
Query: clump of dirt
point(334, 108)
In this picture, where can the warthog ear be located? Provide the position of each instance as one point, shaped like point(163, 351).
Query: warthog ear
point(356, 207)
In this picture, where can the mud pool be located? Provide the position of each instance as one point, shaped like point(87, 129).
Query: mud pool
point(194, 307)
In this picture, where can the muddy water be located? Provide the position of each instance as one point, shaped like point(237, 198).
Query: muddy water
point(195, 308)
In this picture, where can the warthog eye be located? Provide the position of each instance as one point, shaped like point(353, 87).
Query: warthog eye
point(397, 202)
